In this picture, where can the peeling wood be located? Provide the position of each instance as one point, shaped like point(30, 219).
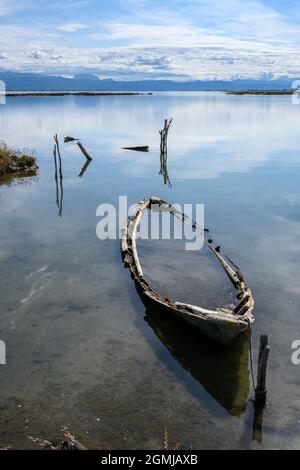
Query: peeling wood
point(264, 351)
point(84, 168)
point(164, 136)
point(84, 151)
point(68, 139)
point(222, 324)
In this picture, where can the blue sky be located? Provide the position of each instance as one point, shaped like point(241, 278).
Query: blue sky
point(139, 39)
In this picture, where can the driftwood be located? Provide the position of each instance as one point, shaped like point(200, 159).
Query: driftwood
point(67, 139)
point(264, 351)
point(164, 136)
point(138, 149)
point(222, 324)
point(164, 152)
point(59, 155)
point(60, 188)
point(258, 422)
point(84, 151)
point(164, 169)
point(261, 388)
point(84, 168)
point(55, 175)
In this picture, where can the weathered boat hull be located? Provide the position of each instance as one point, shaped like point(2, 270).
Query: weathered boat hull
point(223, 324)
point(221, 331)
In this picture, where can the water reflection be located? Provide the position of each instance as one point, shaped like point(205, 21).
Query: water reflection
point(164, 169)
point(59, 188)
point(58, 172)
point(84, 168)
point(258, 423)
point(19, 178)
point(230, 153)
point(236, 134)
point(202, 358)
point(68, 139)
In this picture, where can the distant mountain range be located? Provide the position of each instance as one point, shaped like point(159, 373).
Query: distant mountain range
point(35, 82)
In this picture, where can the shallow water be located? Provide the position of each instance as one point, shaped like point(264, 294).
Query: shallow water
point(81, 349)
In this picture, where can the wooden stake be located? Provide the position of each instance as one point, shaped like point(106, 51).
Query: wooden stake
point(164, 136)
point(164, 169)
point(85, 153)
point(84, 168)
point(59, 156)
point(56, 179)
point(60, 202)
point(258, 423)
point(261, 389)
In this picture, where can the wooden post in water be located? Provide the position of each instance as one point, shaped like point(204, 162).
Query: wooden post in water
point(59, 156)
point(261, 389)
point(55, 176)
point(164, 136)
point(84, 168)
point(85, 153)
point(60, 200)
point(164, 169)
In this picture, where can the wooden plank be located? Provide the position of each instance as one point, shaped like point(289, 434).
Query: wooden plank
point(84, 151)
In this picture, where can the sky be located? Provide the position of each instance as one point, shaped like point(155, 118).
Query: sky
point(152, 39)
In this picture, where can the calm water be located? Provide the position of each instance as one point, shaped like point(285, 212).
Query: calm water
point(82, 350)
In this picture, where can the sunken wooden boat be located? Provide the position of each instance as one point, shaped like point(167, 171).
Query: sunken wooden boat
point(224, 323)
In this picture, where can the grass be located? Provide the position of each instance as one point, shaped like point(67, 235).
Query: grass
point(12, 161)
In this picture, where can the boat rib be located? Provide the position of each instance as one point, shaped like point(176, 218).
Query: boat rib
point(223, 324)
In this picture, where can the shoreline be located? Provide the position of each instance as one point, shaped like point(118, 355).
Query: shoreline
point(13, 94)
point(10, 94)
point(261, 92)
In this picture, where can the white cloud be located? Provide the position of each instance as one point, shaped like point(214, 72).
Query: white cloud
point(178, 35)
point(208, 62)
point(72, 27)
point(240, 19)
point(190, 39)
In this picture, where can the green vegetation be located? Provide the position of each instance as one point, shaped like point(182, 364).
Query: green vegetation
point(12, 161)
